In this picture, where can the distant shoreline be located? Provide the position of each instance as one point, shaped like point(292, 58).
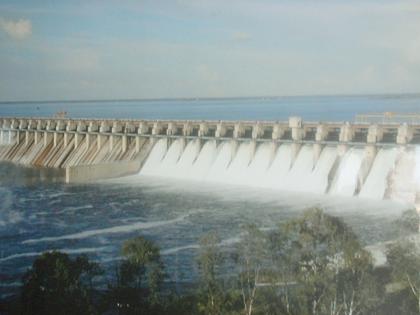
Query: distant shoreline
point(189, 99)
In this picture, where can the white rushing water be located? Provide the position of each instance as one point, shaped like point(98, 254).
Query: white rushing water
point(347, 177)
point(377, 180)
point(283, 167)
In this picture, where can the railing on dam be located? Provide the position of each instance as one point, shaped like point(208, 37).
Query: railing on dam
point(293, 130)
point(388, 118)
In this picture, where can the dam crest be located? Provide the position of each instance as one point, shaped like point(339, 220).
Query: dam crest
point(368, 160)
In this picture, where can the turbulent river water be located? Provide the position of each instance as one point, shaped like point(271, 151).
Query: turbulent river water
point(39, 213)
point(95, 219)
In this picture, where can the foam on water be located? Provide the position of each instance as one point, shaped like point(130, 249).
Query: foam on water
point(111, 230)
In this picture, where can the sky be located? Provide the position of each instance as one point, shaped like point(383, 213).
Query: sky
point(74, 50)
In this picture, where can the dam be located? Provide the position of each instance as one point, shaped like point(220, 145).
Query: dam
point(376, 160)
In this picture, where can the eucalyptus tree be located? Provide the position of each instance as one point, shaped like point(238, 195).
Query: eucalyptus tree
point(58, 284)
point(210, 260)
point(403, 257)
point(321, 266)
point(139, 278)
point(251, 258)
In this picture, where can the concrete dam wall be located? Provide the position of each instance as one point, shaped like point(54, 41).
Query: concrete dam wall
point(377, 161)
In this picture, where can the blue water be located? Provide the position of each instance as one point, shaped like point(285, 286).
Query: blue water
point(95, 219)
point(314, 108)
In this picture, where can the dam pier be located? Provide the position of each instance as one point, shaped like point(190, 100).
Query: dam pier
point(340, 156)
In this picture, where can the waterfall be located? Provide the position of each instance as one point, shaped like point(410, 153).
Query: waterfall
point(153, 163)
point(257, 171)
point(280, 166)
point(187, 159)
point(286, 167)
point(376, 182)
point(346, 179)
point(217, 171)
point(204, 161)
point(318, 181)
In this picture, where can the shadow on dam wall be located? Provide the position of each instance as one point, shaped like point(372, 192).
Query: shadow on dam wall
point(11, 174)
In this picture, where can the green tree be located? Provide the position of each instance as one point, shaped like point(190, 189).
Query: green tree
point(139, 278)
point(57, 284)
point(404, 260)
point(209, 262)
point(331, 270)
point(250, 257)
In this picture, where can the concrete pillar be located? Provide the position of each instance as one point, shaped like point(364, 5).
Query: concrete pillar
point(203, 130)
point(37, 137)
point(157, 127)
point(111, 142)
point(88, 140)
point(18, 133)
point(129, 128)
point(220, 130)
point(103, 128)
point(40, 125)
point(375, 134)
point(346, 133)
point(47, 138)
point(137, 144)
point(171, 129)
point(60, 126)
point(295, 123)
point(77, 139)
point(124, 143)
point(187, 129)
point(116, 128)
point(26, 138)
point(55, 139)
point(50, 125)
point(143, 129)
point(66, 139)
point(92, 127)
point(81, 126)
point(71, 125)
point(405, 134)
point(278, 132)
point(257, 131)
point(23, 124)
point(100, 141)
point(1, 136)
point(321, 133)
point(238, 130)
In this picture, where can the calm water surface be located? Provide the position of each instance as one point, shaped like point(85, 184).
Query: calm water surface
point(314, 108)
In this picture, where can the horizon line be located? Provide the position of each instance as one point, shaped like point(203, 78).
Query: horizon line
point(207, 98)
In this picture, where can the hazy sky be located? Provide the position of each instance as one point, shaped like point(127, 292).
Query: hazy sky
point(207, 48)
